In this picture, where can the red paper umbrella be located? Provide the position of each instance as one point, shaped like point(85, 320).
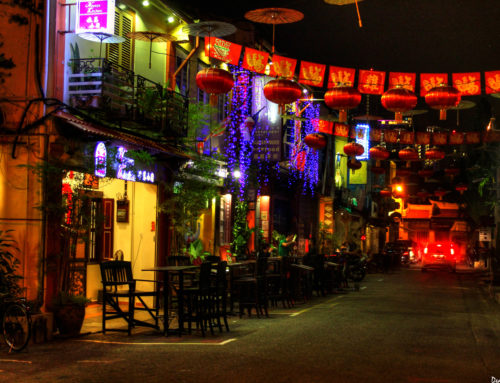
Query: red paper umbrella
point(282, 92)
point(353, 149)
point(403, 172)
point(342, 98)
point(315, 140)
point(354, 165)
point(399, 100)
point(452, 172)
point(377, 170)
point(443, 97)
point(461, 188)
point(214, 81)
point(379, 153)
point(386, 193)
point(434, 154)
point(423, 194)
point(408, 154)
point(425, 173)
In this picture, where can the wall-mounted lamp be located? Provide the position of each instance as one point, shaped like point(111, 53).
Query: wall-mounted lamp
point(170, 19)
point(122, 6)
point(145, 3)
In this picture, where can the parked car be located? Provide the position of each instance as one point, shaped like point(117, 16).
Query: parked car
point(439, 255)
point(402, 251)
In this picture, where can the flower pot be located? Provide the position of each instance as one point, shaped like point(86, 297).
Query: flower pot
point(69, 319)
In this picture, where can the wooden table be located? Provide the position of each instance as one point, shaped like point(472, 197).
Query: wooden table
point(232, 268)
point(180, 309)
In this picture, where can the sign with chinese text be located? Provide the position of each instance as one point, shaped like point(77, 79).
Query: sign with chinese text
point(472, 137)
point(95, 16)
point(340, 76)
point(492, 80)
point(406, 80)
point(341, 130)
point(223, 50)
point(255, 61)
point(469, 84)
point(423, 138)
point(375, 134)
point(456, 138)
point(282, 67)
point(371, 81)
point(431, 80)
point(311, 73)
point(322, 126)
point(391, 136)
point(439, 138)
point(362, 135)
point(406, 137)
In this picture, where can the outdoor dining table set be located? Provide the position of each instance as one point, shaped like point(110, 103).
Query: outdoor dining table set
point(204, 295)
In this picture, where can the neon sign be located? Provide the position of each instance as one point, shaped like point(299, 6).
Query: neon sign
point(362, 134)
point(95, 16)
point(100, 156)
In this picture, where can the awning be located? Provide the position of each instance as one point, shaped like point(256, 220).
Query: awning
point(105, 132)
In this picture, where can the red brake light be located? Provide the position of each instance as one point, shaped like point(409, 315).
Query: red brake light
point(425, 250)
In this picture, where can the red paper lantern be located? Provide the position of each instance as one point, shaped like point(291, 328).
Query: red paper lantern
point(423, 194)
point(354, 165)
point(342, 98)
point(353, 149)
point(434, 154)
point(282, 92)
point(377, 170)
point(386, 193)
point(452, 172)
point(399, 100)
point(439, 192)
point(425, 173)
point(379, 153)
point(408, 154)
point(443, 97)
point(461, 188)
point(403, 172)
point(315, 140)
point(214, 81)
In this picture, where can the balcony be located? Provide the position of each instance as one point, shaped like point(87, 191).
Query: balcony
point(118, 97)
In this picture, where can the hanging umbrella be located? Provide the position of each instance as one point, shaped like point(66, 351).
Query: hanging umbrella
point(101, 37)
point(157, 37)
point(274, 16)
point(209, 29)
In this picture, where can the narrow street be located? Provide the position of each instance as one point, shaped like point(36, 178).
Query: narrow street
point(405, 326)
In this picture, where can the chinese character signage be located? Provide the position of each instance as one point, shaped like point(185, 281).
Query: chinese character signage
point(431, 80)
point(469, 84)
point(492, 80)
point(282, 67)
point(95, 16)
point(371, 82)
point(255, 60)
point(340, 76)
point(223, 50)
point(406, 80)
point(312, 74)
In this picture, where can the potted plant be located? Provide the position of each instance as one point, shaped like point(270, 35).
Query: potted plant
point(9, 279)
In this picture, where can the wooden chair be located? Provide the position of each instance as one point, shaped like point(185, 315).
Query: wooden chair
point(118, 284)
point(198, 301)
point(219, 296)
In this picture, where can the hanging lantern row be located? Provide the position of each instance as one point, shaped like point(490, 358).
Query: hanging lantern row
point(408, 154)
point(353, 149)
point(443, 97)
point(434, 154)
point(342, 98)
point(399, 100)
point(282, 92)
point(214, 81)
point(315, 141)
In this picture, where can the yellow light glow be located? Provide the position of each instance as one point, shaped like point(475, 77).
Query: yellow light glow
point(399, 188)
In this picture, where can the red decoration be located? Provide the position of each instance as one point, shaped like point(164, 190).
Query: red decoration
point(377, 170)
point(492, 80)
point(379, 153)
point(282, 67)
point(408, 154)
point(439, 192)
point(468, 84)
point(353, 149)
point(434, 154)
point(452, 172)
point(386, 193)
point(282, 91)
point(312, 74)
point(375, 134)
point(340, 76)
point(371, 81)
point(354, 165)
point(342, 98)
point(406, 137)
point(426, 173)
point(443, 97)
point(461, 188)
point(399, 100)
point(472, 137)
point(429, 81)
point(456, 138)
point(403, 172)
point(255, 61)
point(315, 140)
point(439, 138)
point(391, 136)
point(406, 80)
point(214, 81)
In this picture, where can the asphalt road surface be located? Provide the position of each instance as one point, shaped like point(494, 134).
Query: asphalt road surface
point(405, 326)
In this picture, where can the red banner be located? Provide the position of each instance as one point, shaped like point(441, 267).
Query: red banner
point(407, 80)
point(439, 138)
point(341, 130)
point(472, 138)
point(423, 138)
point(375, 134)
point(255, 61)
point(223, 50)
point(312, 74)
point(322, 126)
point(469, 84)
point(406, 137)
point(282, 67)
point(492, 80)
point(371, 81)
point(340, 76)
point(391, 136)
point(491, 136)
point(431, 80)
point(456, 138)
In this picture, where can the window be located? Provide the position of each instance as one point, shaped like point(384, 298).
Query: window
point(123, 53)
point(182, 78)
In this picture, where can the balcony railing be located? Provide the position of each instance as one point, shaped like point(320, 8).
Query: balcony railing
point(118, 96)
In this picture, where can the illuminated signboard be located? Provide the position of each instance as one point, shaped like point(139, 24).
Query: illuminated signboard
point(125, 169)
point(95, 16)
point(362, 138)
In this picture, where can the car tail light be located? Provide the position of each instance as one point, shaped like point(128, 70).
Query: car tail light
point(425, 250)
point(452, 252)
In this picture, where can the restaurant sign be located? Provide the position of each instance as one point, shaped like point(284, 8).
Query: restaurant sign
point(95, 16)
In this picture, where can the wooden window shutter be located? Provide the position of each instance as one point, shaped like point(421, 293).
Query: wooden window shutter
point(122, 53)
point(108, 205)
